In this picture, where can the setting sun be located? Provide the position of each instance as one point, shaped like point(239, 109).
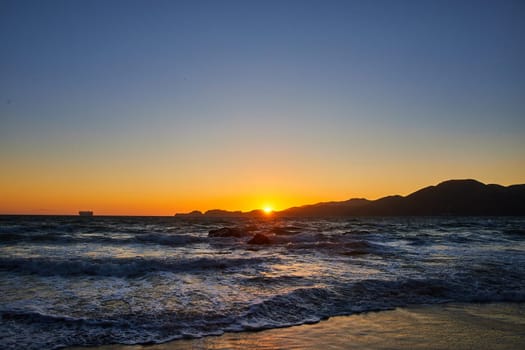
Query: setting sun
point(267, 210)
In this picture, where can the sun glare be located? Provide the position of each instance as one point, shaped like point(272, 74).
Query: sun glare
point(267, 210)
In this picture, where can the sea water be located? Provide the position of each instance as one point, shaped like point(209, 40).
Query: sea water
point(68, 281)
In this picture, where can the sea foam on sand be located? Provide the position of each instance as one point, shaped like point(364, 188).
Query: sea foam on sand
point(449, 326)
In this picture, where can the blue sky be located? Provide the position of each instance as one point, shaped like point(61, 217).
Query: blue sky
point(362, 89)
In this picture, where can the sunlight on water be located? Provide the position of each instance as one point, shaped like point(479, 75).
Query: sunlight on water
point(155, 279)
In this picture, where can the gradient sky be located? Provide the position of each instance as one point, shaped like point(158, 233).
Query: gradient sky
point(157, 107)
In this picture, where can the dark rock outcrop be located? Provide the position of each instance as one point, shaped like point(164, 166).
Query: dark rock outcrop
point(259, 238)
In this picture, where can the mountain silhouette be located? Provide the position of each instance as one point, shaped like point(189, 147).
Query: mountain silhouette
point(452, 197)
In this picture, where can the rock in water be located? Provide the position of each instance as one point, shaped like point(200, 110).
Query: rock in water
point(226, 232)
point(259, 238)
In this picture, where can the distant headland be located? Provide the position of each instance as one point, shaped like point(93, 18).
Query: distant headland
point(452, 197)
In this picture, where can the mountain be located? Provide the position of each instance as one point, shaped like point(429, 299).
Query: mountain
point(452, 197)
point(327, 208)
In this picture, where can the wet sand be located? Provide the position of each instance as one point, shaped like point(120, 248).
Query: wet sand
point(450, 326)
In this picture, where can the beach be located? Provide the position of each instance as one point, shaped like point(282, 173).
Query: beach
point(448, 326)
point(68, 281)
point(291, 174)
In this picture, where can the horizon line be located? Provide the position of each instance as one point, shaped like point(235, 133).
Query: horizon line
point(262, 209)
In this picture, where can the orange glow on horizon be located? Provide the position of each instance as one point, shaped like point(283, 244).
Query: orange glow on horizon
point(35, 187)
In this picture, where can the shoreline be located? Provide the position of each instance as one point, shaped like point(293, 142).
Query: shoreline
point(442, 326)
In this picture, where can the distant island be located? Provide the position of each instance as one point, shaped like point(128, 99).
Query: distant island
point(452, 198)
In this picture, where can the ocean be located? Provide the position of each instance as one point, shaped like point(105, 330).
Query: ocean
point(69, 281)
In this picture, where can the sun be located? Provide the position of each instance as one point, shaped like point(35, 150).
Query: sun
point(268, 210)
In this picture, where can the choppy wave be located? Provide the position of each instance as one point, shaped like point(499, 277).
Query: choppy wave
point(118, 267)
point(71, 281)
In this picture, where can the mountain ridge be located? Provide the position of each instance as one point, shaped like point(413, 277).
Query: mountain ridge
point(458, 197)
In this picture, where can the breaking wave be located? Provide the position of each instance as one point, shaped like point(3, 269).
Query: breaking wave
point(69, 281)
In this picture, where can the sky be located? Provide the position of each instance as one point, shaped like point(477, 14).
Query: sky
point(157, 107)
